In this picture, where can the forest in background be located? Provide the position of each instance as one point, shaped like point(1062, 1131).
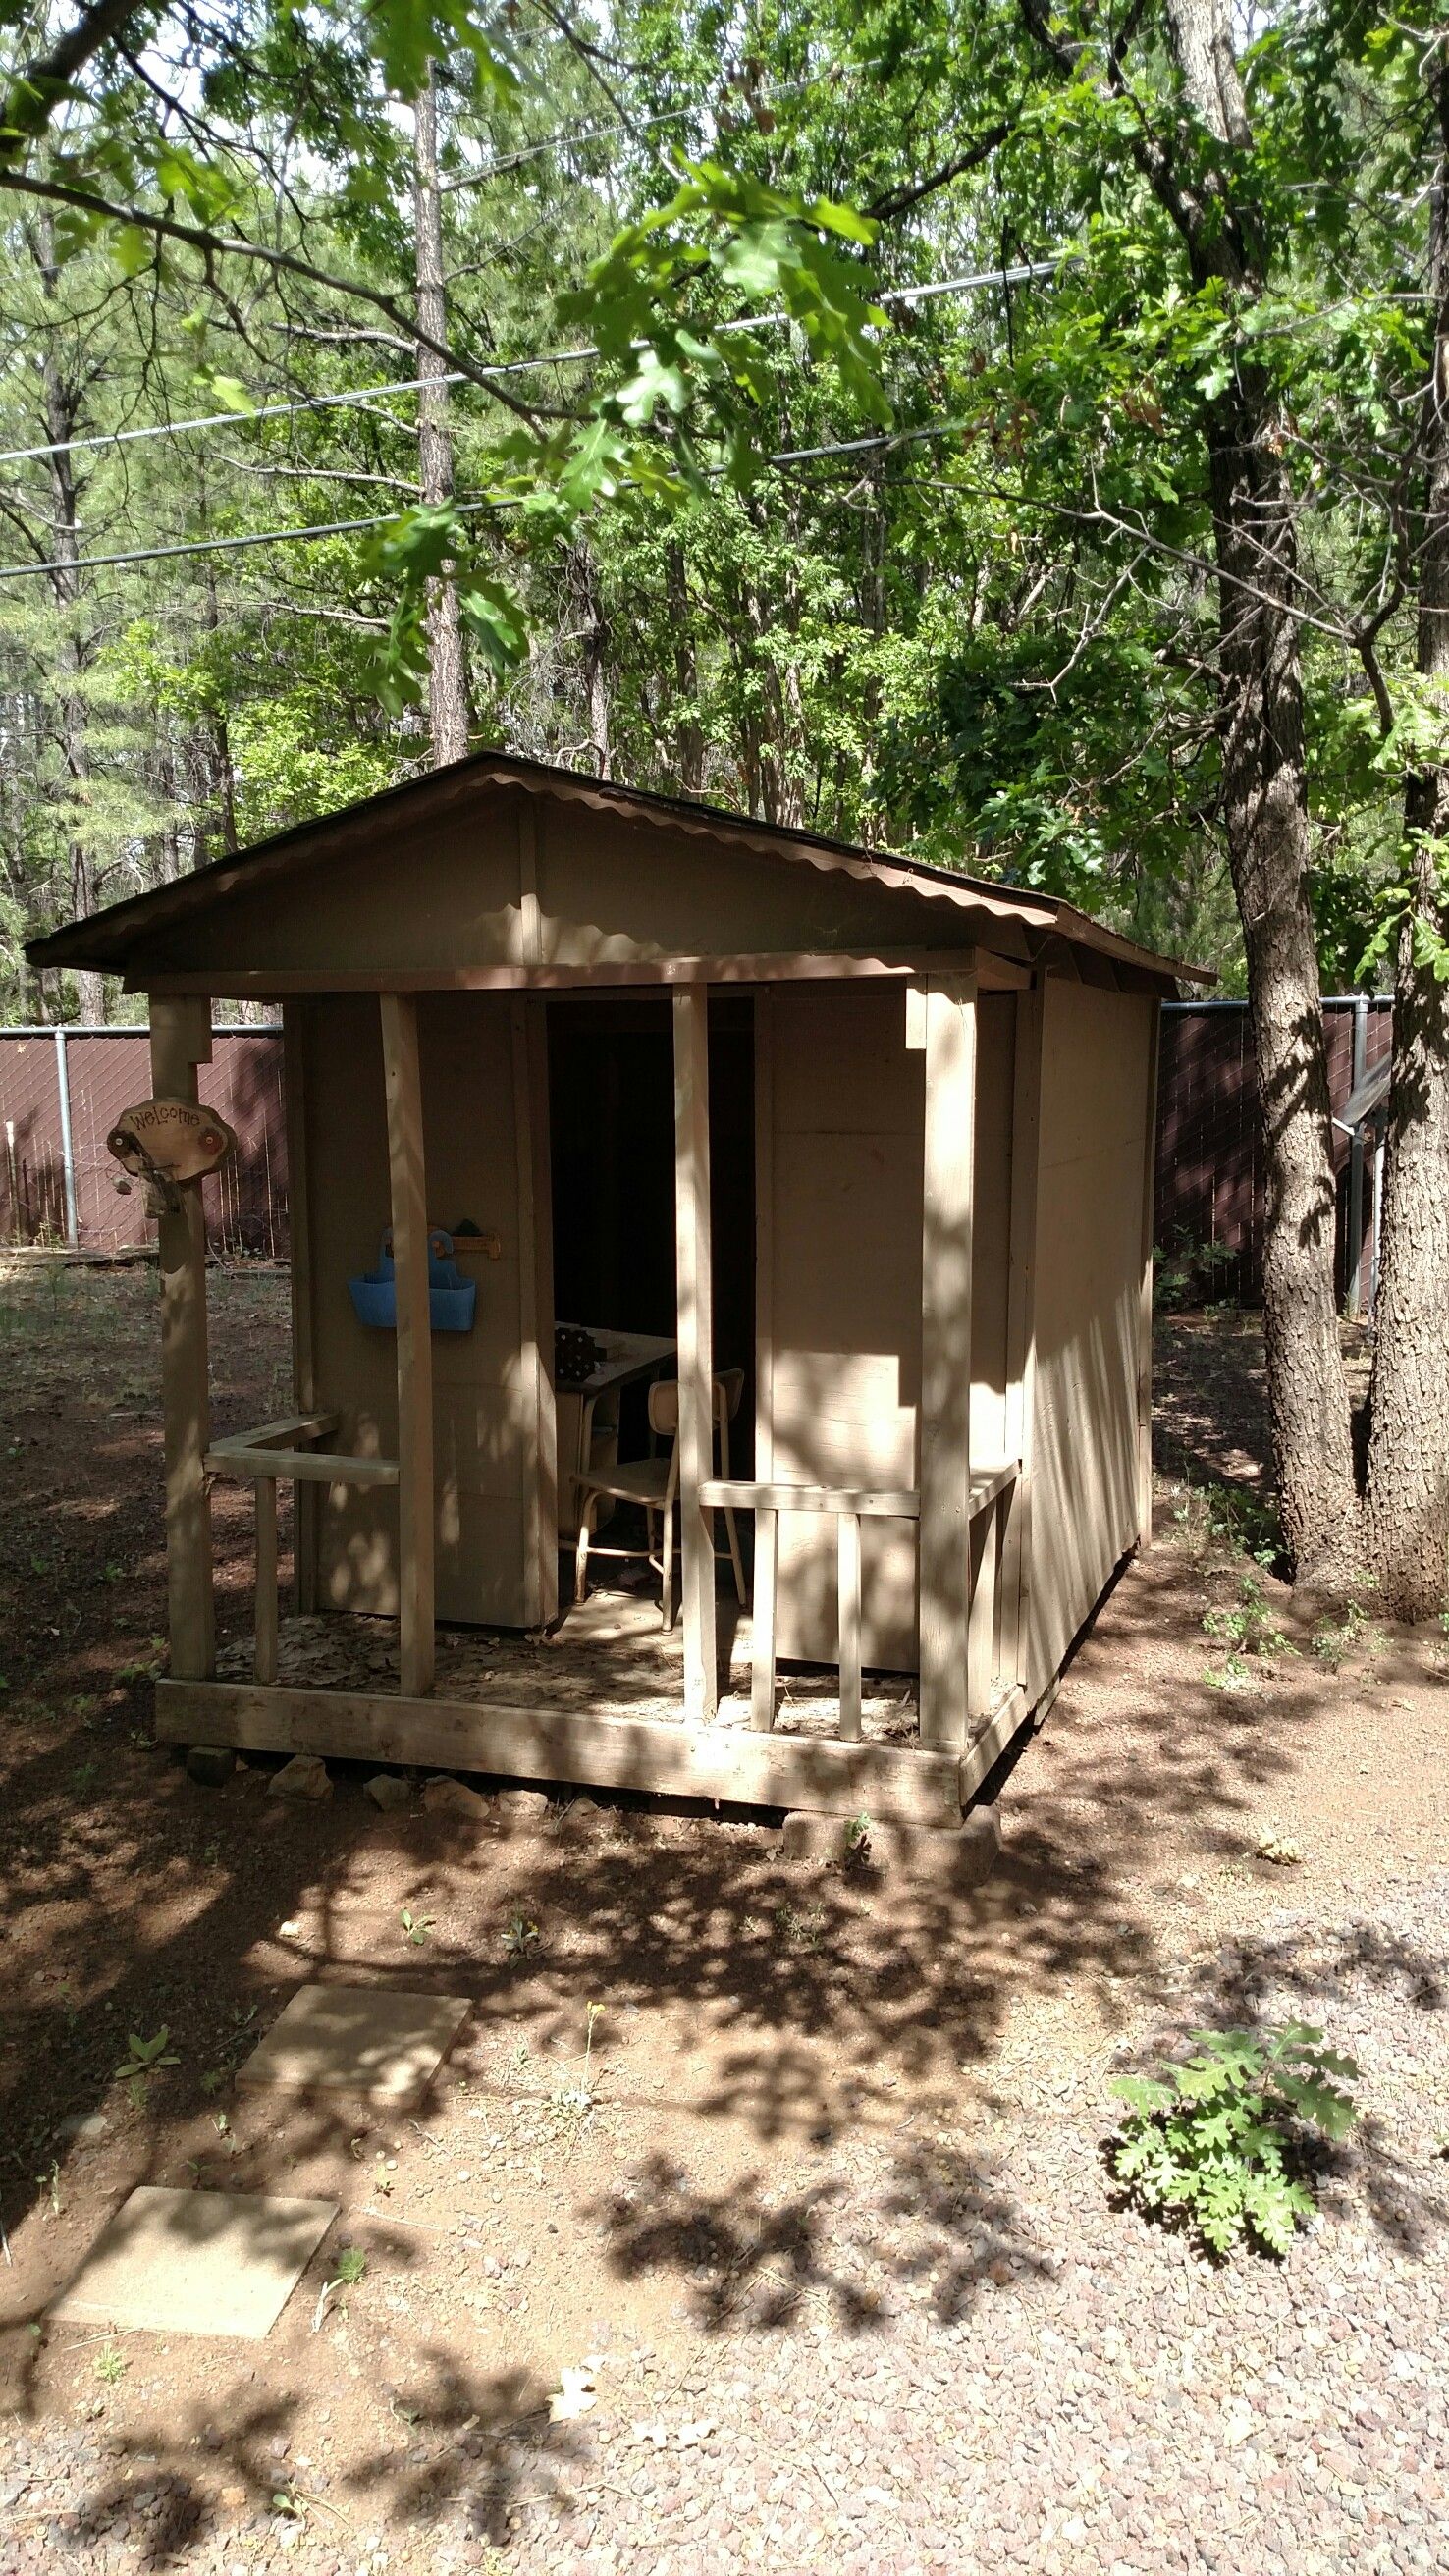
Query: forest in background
point(984, 633)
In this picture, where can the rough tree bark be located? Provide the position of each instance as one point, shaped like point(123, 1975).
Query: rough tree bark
point(1265, 792)
point(1265, 811)
point(63, 396)
point(448, 705)
point(1406, 1512)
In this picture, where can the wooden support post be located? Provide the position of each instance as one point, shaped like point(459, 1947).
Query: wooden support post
point(180, 1041)
point(948, 1019)
point(535, 1277)
point(762, 1626)
point(696, 1346)
point(264, 1653)
point(1144, 1301)
point(416, 1527)
point(847, 1542)
point(982, 1628)
point(1015, 1571)
point(306, 1499)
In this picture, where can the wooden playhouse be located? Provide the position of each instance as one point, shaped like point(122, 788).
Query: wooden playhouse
point(867, 1142)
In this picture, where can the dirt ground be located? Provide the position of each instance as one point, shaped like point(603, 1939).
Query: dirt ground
point(683, 2051)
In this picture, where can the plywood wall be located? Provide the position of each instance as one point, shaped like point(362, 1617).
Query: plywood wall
point(842, 1109)
point(1094, 1092)
point(485, 1412)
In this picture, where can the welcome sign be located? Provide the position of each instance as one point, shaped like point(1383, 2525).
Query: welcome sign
point(175, 1138)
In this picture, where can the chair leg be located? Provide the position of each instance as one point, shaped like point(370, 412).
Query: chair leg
point(667, 1552)
point(581, 1558)
point(724, 1467)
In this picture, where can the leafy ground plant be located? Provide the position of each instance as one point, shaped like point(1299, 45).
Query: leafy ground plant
point(146, 2058)
point(1215, 2135)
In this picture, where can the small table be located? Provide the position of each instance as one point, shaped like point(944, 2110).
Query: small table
point(588, 1415)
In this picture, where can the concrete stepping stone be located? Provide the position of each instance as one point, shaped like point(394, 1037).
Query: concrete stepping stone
point(357, 2039)
point(197, 2262)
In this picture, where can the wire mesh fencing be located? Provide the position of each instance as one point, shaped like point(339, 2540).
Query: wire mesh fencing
point(61, 1093)
point(1210, 1177)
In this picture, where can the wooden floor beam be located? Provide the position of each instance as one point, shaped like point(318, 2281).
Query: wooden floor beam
point(890, 1782)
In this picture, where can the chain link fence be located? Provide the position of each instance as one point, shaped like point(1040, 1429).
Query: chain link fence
point(61, 1093)
point(62, 1090)
point(1210, 1186)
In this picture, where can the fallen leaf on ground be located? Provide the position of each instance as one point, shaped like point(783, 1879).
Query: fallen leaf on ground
point(573, 2397)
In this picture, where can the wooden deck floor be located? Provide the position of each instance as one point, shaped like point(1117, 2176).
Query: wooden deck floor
point(610, 1657)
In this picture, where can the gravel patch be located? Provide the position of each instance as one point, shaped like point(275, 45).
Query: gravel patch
point(952, 2351)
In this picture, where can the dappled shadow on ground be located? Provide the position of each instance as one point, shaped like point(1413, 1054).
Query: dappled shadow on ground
point(787, 2011)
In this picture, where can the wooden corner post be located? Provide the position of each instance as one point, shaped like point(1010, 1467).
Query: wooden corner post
point(1144, 1300)
point(415, 1508)
point(943, 1017)
point(696, 1345)
point(180, 1041)
point(1021, 1329)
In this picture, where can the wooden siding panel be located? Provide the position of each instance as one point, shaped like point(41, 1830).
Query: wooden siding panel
point(484, 1402)
point(1094, 1091)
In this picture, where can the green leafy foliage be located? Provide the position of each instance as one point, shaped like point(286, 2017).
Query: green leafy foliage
point(145, 2058)
point(1218, 2137)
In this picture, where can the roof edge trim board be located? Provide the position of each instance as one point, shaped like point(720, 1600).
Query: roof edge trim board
point(104, 939)
point(995, 973)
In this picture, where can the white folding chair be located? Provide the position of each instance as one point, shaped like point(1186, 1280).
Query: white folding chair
point(653, 1483)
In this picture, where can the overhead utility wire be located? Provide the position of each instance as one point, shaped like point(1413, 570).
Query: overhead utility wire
point(1019, 276)
point(466, 510)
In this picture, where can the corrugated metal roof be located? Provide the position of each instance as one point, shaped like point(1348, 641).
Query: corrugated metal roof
point(106, 939)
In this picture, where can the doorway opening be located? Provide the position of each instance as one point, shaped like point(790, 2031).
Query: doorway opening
point(611, 1121)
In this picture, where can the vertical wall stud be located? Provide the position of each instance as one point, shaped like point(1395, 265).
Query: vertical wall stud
point(416, 1508)
point(949, 1172)
point(67, 1141)
point(1015, 1571)
point(696, 1344)
point(180, 1040)
point(1144, 1299)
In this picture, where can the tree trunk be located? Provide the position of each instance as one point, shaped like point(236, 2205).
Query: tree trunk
point(687, 730)
point(62, 400)
point(448, 707)
point(1265, 806)
point(1407, 1503)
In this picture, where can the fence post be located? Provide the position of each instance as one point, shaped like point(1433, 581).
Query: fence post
point(67, 1142)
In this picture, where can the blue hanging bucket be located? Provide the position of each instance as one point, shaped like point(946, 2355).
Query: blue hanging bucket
point(451, 1297)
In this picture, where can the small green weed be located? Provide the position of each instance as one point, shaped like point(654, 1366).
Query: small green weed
point(146, 2057)
point(1229, 1516)
point(1187, 1274)
point(1354, 1632)
point(1213, 2136)
point(418, 1927)
point(803, 1927)
point(575, 2102)
point(50, 2185)
point(1248, 1627)
point(521, 1938)
point(143, 1668)
point(110, 2365)
point(351, 2266)
point(857, 1842)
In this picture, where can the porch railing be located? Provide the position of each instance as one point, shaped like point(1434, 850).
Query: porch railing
point(992, 1489)
point(263, 1457)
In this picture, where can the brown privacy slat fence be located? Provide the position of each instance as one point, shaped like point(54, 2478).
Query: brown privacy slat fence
point(1209, 1153)
point(61, 1092)
point(1209, 1160)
